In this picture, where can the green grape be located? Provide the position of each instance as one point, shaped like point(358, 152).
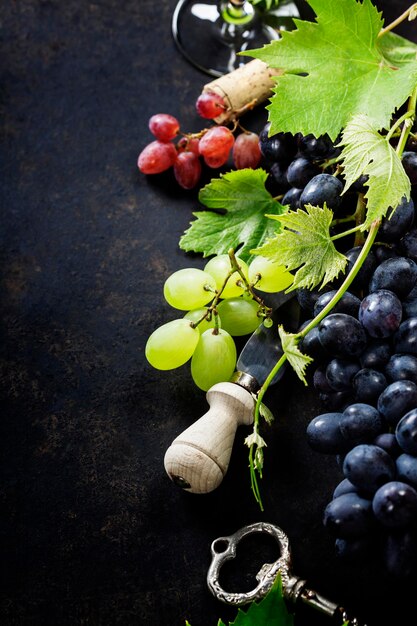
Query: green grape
point(239, 316)
point(197, 314)
point(274, 277)
point(214, 359)
point(189, 288)
point(219, 267)
point(172, 344)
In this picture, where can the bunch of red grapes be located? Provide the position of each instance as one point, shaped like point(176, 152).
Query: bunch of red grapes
point(212, 146)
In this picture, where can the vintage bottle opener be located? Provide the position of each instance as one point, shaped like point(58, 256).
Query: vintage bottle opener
point(294, 588)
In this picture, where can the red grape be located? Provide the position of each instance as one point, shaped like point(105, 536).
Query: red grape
point(164, 126)
point(246, 151)
point(157, 157)
point(209, 105)
point(187, 170)
point(216, 144)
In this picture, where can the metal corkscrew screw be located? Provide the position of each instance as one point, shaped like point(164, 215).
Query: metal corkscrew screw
point(294, 588)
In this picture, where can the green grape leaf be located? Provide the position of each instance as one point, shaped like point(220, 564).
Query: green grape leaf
point(337, 67)
point(255, 439)
point(305, 245)
point(367, 152)
point(242, 225)
point(296, 358)
point(266, 413)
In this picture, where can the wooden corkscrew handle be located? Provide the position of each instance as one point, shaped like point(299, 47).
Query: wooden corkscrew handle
point(198, 458)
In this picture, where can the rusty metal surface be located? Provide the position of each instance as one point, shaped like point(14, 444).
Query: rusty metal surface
point(92, 530)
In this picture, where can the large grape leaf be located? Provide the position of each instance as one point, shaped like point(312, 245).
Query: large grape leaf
point(337, 67)
point(242, 225)
point(305, 245)
point(367, 152)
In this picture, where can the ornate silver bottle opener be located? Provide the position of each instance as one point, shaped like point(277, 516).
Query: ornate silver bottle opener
point(294, 588)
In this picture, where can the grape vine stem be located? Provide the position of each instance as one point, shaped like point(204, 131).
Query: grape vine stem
point(410, 13)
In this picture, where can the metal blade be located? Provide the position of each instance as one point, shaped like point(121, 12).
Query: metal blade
point(263, 348)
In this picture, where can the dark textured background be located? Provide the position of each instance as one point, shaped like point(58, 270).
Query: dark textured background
point(92, 530)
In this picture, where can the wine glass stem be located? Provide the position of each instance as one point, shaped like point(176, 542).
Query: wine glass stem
point(236, 11)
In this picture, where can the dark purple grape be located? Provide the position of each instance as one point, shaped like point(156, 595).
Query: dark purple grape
point(348, 303)
point(316, 148)
point(405, 339)
point(323, 434)
point(396, 400)
point(340, 372)
point(345, 486)
point(368, 467)
point(409, 161)
point(360, 423)
point(376, 354)
point(395, 504)
point(409, 308)
point(406, 432)
point(280, 147)
point(301, 171)
point(278, 175)
point(322, 189)
point(342, 335)
point(368, 384)
point(389, 443)
point(363, 276)
point(311, 345)
point(384, 252)
point(307, 298)
point(292, 198)
point(400, 553)
point(380, 313)
point(407, 468)
point(398, 222)
point(349, 515)
point(320, 381)
point(397, 274)
point(410, 305)
point(402, 367)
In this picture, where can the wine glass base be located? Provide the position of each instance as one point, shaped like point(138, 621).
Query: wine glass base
point(211, 44)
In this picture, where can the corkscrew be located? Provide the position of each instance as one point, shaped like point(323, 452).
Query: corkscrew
point(295, 589)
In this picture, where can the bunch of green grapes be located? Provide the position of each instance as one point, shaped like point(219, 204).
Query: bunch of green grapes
point(220, 305)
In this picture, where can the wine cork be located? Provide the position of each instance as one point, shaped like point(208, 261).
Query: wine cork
point(243, 88)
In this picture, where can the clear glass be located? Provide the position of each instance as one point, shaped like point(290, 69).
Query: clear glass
point(210, 34)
